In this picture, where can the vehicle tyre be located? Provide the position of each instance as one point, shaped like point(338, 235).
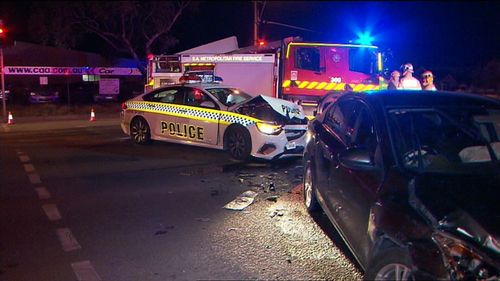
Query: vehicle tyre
point(238, 143)
point(391, 264)
point(140, 131)
point(310, 199)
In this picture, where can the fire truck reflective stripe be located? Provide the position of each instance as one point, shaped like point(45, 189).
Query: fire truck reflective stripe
point(330, 86)
point(312, 85)
point(368, 87)
point(358, 87)
point(286, 84)
point(303, 84)
point(340, 86)
point(321, 85)
point(377, 87)
point(209, 115)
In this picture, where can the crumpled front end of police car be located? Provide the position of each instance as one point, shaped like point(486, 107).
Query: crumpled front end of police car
point(283, 130)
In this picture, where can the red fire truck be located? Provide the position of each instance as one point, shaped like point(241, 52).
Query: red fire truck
point(288, 69)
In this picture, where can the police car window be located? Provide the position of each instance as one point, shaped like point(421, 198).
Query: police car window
point(196, 97)
point(307, 58)
point(172, 95)
point(229, 96)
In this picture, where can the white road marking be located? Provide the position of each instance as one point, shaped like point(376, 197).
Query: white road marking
point(43, 193)
point(52, 212)
point(67, 240)
point(84, 271)
point(29, 168)
point(34, 178)
point(24, 158)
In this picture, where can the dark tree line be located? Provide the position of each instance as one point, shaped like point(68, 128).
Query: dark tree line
point(128, 28)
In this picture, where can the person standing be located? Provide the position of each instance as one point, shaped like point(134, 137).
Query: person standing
point(408, 82)
point(394, 83)
point(428, 81)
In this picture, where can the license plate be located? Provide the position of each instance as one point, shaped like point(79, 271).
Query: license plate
point(291, 145)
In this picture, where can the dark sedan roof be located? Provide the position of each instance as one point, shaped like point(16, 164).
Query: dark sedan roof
point(402, 98)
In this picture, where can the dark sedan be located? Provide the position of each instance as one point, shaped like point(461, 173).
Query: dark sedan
point(411, 182)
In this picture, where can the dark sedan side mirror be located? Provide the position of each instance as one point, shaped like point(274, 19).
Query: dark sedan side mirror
point(356, 159)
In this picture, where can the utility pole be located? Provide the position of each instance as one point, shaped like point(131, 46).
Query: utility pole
point(4, 107)
point(256, 21)
point(2, 43)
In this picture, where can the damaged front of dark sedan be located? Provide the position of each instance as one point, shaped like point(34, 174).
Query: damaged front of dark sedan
point(411, 182)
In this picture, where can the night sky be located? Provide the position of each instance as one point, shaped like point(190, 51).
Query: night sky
point(436, 35)
point(445, 36)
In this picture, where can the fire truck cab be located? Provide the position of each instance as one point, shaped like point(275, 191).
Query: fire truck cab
point(311, 70)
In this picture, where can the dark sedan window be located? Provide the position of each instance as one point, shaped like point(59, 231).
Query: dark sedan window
point(431, 139)
point(340, 118)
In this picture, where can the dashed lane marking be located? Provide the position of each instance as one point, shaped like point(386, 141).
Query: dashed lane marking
point(24, 158)
point(34, 178)
point(52, 212)
point(43, 193)
point(84, 271)
point(67, 240)
point(29, 168)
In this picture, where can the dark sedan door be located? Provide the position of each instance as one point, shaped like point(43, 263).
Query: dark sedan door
point(352, 192)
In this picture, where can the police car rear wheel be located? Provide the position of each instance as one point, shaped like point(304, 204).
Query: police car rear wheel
point(239, 143)
point(139, 131)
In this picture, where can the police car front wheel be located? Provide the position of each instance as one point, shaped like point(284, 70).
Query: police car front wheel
point(139, 131)
point(238, 143)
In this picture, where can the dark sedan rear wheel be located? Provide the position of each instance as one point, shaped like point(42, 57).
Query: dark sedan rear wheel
point(238, 143)
point(139, 131)
point(391, 264)
point(310, 199)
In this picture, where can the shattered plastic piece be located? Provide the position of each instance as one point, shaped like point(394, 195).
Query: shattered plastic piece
point(273, 198)
point(272, 187)
point(185, 174)
point(247, 175)
point(242, 201)
point(241, 180)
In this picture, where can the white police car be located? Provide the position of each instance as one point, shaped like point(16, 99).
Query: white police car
point(217, 116)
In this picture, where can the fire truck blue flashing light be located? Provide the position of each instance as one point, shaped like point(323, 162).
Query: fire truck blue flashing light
point(364, 39)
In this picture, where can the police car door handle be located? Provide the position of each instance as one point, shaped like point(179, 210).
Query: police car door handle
point(183, 110)
point(151, 105)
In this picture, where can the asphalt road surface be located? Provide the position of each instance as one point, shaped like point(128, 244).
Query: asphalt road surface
point(80, 201)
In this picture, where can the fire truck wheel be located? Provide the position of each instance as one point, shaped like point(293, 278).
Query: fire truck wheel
point(238, 142)
point(139, 131)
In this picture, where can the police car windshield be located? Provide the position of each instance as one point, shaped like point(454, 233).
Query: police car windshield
point(229, 96)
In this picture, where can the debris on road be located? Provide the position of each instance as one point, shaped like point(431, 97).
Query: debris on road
point(277, 212)
point(272, 187)
point(164, 229)
point(203, 219)
point(214, 193)
point(242, 201)
point(273, 198)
